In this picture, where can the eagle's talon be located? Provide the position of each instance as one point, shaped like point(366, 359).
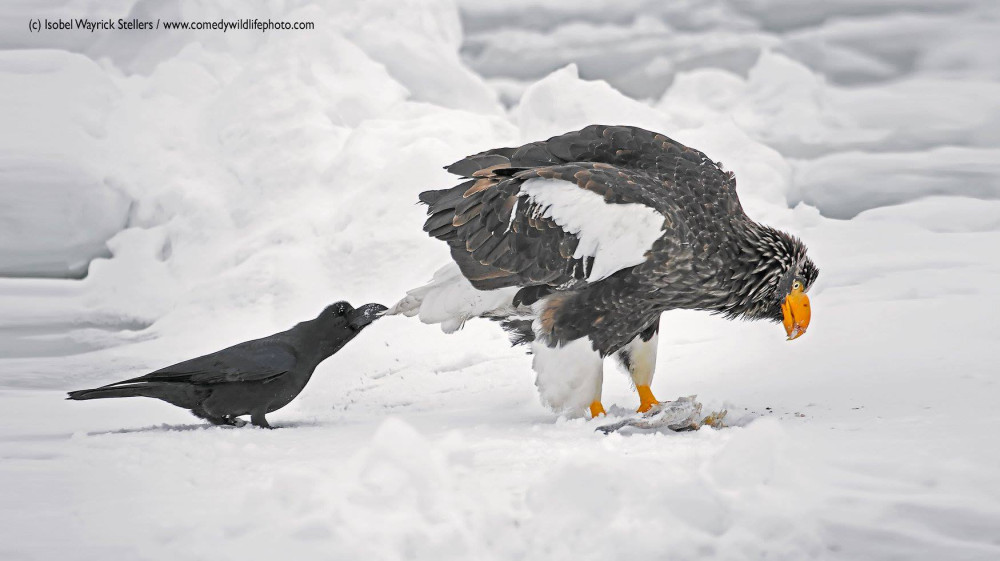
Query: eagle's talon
point(646, 399)
point(596, 410)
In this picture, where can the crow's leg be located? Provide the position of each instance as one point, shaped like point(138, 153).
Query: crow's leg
point(257, 419)
point(219, 420)
point(202, 414)
point(226, 421)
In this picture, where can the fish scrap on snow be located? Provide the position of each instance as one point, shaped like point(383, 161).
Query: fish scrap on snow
point(681, 414)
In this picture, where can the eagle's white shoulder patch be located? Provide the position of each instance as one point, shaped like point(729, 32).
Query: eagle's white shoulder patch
point(615, 235)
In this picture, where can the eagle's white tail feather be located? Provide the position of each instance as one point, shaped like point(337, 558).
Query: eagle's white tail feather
point(450, 300)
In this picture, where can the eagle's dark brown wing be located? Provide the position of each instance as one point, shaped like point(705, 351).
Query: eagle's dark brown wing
point(501, 236)
point(630, 148)
point(527, 229)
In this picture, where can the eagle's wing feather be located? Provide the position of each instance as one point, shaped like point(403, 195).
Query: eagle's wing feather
point(559, 226)
point(624, 147)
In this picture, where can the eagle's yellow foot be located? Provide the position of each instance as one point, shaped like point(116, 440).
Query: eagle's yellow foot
point(596, 409)
point(646, 399)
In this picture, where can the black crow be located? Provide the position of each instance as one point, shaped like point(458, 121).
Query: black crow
point(252, 378)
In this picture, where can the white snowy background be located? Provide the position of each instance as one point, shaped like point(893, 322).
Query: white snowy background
point(163, 195)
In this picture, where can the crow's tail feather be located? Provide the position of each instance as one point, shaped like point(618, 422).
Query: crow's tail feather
point(132, 390)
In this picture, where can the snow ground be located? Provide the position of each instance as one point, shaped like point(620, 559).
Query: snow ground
point(217, 187)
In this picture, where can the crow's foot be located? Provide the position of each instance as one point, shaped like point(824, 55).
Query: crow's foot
point(258, 420)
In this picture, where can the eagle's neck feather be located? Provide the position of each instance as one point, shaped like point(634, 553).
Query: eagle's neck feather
point(750, 283)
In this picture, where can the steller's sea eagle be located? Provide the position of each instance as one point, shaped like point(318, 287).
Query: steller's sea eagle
point(578, 243)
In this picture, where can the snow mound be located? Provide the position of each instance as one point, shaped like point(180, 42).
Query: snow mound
point(205, 188)
point(562, 102)
point(58, 205)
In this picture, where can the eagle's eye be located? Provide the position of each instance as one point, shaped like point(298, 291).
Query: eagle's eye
point(797, 285)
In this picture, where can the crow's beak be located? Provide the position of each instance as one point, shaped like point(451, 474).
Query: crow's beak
point(366, 314)
point(795, 313)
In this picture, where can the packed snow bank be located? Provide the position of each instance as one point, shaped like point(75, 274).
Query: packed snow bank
point(846, 183)
point(562, 100)
point(640, 46)
point(789, 106)
point(242, 182)
point(57, 204)
point(55, 217)
point(853, 149)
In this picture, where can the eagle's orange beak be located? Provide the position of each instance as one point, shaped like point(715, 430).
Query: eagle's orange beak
point(795, 311)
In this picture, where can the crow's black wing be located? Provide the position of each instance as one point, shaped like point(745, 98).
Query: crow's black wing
point(258, 360)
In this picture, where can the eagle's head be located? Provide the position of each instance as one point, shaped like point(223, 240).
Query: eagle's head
point(776, 289)
point(791, 293)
